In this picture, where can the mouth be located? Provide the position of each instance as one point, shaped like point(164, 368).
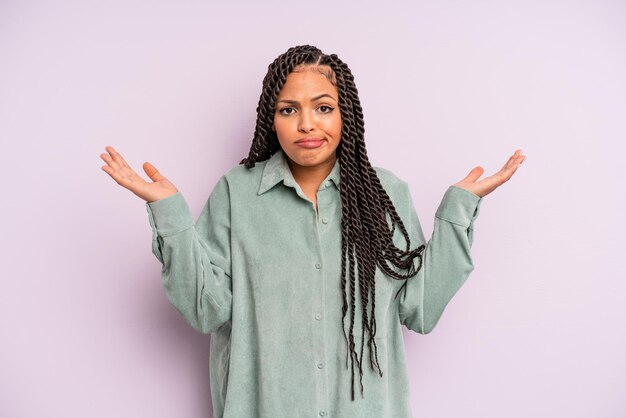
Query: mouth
point(310, 142)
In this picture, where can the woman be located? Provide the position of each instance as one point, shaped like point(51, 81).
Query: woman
point(304, 252)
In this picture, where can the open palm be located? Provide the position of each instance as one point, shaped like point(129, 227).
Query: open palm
point(489, 184)
point(126, 177)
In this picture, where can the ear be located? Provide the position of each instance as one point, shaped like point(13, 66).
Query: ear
point(273, 128)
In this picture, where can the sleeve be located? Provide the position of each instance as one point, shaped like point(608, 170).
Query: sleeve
point(196, 260)
point(446, 259)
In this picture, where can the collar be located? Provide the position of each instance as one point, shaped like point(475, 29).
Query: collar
point(277, 169)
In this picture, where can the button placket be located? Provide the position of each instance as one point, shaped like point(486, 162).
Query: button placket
point(318, 308)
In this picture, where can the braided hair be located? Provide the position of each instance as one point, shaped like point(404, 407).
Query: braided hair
point(365, 232)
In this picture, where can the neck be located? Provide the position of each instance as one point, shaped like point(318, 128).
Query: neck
point(310, 178)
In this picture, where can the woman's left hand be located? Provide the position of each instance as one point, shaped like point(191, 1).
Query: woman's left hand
point(489, 184)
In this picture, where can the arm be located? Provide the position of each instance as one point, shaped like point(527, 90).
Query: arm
point(446, 259)
point(196, 261)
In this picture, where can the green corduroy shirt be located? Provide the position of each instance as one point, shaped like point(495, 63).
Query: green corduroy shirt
point(260, 270)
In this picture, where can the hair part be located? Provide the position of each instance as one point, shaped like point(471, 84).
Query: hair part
point(366, 232)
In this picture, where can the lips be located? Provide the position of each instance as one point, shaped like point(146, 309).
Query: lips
point(309, 142)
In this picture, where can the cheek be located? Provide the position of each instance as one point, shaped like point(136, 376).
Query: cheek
point(281, 127)
point(337, 127)
point(332, 125)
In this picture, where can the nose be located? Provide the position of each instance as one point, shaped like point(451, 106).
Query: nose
point(306, 123)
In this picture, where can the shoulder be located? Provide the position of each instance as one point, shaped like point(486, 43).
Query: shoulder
point(241, 180)
point(397, 189)
point(240, 173)
point(389, 180)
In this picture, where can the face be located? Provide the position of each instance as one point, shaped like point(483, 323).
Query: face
point(307, 120)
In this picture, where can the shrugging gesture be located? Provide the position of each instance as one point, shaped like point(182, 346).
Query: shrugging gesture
point(126, 177)
point(489, 184)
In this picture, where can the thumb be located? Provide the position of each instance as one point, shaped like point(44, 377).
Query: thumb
point(152, 172)
point(474, 174)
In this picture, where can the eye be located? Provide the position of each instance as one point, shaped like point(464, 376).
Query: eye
point(282, 111)
point(330, 109)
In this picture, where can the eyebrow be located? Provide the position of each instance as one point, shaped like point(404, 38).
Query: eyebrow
point(313, 99)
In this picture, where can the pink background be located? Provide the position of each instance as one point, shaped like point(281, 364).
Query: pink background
point(538, 330)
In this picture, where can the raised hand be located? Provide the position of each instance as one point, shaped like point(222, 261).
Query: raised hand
point(126, 177)
point(489, 184)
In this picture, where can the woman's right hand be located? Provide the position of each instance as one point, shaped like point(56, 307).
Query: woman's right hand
point(126, 177)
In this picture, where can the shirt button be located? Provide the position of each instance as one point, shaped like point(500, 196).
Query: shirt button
point(325, 220)
point(318, 316)
point(320, 365)
point(322, 413)
point(318, 265)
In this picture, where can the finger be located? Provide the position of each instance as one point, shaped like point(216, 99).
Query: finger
point(115, 175)
point(107, 170)
point(107, 159)
point(474, 174)
point(507, 172)
point(117, 157)
point(517, 161)
point(511, 159)
point(511, 165)
point(152, 172)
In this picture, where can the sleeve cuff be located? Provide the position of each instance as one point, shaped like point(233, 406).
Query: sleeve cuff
point(169, 215)
point(459, 206)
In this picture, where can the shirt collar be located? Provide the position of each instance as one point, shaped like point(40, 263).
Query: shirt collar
point(277, 169)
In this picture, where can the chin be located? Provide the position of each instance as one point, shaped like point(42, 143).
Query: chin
point(308, 159)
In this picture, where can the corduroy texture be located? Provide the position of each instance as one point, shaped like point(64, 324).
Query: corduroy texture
point(261, 270)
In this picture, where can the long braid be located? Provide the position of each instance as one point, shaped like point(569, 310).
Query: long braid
point(366, 231)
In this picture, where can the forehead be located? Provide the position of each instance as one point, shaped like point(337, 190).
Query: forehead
point(307, 81)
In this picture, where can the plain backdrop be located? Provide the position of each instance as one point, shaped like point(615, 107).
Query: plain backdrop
point(539, 328)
